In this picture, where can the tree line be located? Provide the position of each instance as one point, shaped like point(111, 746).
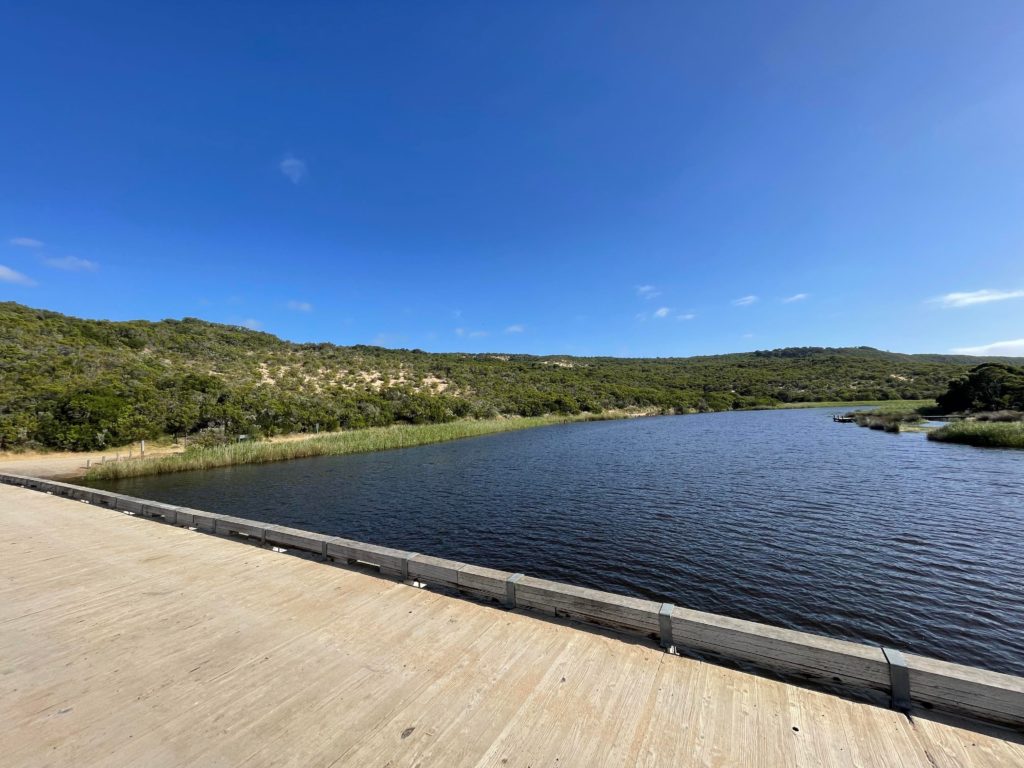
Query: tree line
point(79, 384)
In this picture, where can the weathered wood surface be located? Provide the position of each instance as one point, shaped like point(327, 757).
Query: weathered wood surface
point(836, 664)
point(126, 643)
point(954, 687)
point(784, 650)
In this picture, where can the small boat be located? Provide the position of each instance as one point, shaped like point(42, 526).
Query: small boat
point(843, 419)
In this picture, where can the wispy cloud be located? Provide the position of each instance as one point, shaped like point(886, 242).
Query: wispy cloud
point(795, 297)
point(251, 324)
point(26, 242)
point(1013, 348)
point(517, 328)
point(463, 333)
point(662, 312)
point(686, 316)
point(300, 306)
point(71, 264)
point(647, 291)
point(744, 301)
point(293, 168)
point(8, 275)
point(970, 298)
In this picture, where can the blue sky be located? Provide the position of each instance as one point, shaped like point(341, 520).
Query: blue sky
point(578, 178)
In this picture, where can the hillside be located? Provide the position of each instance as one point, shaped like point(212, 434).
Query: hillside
point(82, 384)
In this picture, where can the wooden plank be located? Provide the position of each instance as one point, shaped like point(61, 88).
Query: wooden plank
point(785, 650)
point(968, 690)
point(483, 582)
point(294, 538)
point(240, 526)
point(203, 521)
point(435, 570)
point(130, 504)
point(166, 512)
point(390, 561)
point(605, 608)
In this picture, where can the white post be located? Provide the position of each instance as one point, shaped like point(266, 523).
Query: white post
point(142, 448)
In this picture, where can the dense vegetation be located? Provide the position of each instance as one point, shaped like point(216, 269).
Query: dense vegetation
point(992, 397)
point(987, 403)
point(85, 384)
point(987, 387)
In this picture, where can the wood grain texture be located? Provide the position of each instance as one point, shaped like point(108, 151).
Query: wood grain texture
point(126, 643)
point(972, 691)
point(782, 649)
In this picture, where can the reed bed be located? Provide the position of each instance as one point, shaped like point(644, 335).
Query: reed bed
point(333, 444)
point(983, 434)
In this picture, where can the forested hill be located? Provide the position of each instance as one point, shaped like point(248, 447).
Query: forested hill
point(82, 384)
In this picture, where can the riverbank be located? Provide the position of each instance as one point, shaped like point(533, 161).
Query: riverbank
point(1002, 429)
point(68, 465)
point(333, 444)
point(72, 465)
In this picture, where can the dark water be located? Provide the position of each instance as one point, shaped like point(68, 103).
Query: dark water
point(782, 517)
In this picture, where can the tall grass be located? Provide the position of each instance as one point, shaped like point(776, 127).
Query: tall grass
point(337, 443)
point(983, 434)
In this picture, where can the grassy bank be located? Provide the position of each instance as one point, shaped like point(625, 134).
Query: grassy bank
point(334, 444)
point(983, 434)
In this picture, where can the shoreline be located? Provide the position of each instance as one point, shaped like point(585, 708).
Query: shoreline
point(67, 465)
point(368, 440)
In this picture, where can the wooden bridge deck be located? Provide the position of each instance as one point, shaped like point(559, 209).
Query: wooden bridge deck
point(124, 642)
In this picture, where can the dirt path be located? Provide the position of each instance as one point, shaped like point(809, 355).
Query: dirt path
point(68, 465)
